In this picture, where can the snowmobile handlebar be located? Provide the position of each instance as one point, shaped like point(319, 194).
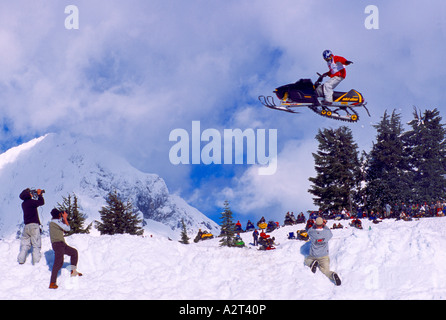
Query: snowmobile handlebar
point(319, 80)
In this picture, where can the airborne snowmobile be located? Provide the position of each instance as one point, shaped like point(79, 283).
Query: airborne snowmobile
point(303, 93)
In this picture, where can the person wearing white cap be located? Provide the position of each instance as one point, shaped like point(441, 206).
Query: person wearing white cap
point(319, 235)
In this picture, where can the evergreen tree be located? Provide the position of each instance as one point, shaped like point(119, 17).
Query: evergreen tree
point(75, 218)
point(360, 198)
point(227, 226)
point(337, 166)
point(118, 218)
point(184, 238)
point(426, 149)
point(386, 173)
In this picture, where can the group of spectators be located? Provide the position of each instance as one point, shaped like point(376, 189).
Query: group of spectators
point(391, 211)
point(396, 211)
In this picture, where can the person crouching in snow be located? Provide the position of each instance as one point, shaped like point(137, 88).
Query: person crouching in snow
point(319, 235)
point(59, 225)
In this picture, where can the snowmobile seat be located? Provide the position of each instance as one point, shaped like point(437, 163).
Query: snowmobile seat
point(300, 91)
point(304, 85)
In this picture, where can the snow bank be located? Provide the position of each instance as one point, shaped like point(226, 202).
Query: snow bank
point(393, 260)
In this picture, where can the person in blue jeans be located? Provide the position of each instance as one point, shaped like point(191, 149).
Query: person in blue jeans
point(255, 235)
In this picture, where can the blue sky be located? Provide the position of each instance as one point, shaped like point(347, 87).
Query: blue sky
point(136, 70)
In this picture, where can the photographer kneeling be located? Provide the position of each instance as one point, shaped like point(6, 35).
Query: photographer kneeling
point(59, 225)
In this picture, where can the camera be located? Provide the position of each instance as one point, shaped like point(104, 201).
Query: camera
point(34, 193)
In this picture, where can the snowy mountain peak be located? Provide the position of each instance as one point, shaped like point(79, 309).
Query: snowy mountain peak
point(63, 164)
point(12, 154)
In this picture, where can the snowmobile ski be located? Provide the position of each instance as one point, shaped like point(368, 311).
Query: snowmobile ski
point(269, 103)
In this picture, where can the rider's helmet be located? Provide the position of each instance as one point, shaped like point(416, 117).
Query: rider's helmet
point(327, 54)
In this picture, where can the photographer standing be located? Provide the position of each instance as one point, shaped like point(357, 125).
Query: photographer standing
point(31, 231)
point(58, 226)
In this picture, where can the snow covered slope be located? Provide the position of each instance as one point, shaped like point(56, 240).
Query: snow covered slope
point(62, 164)
point(393, 260)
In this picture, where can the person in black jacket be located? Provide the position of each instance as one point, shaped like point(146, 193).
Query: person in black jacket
point(31, 231)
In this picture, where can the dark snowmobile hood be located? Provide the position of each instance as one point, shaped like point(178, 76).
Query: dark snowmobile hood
point(25, 195)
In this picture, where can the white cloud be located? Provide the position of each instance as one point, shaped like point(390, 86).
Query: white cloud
point(136, 70)
point(284, 191)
